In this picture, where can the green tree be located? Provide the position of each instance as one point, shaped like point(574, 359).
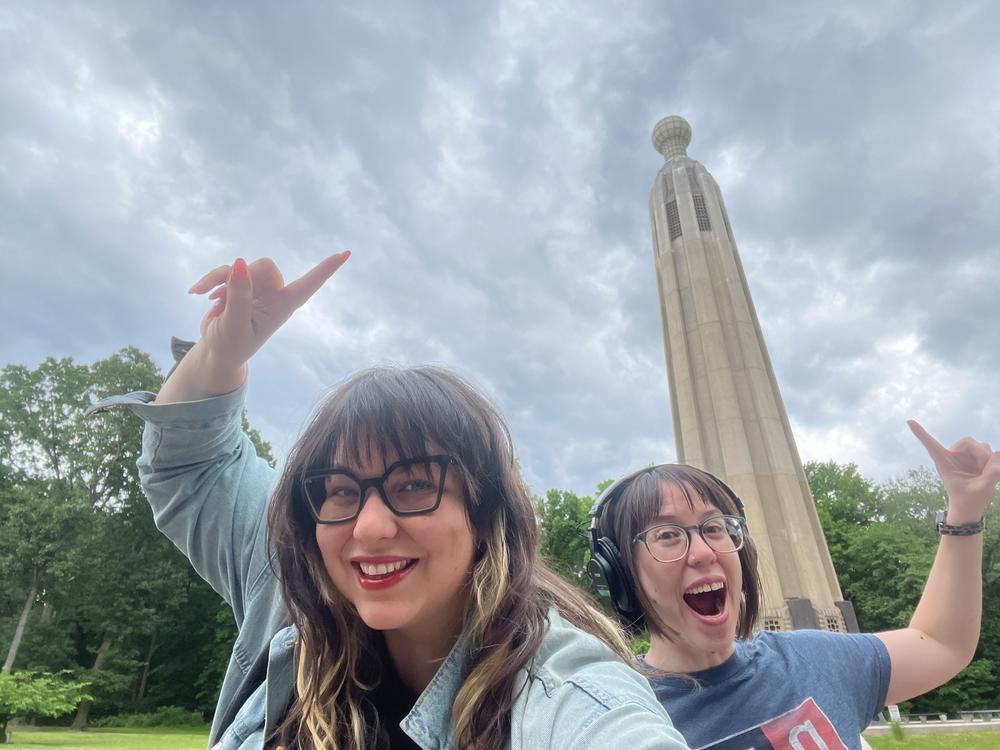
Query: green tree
point(30, 694)
point(882, 540)
point(42, 484)
point(563, 523)
point(845, 502)
point(262, 447)
point(90, 583)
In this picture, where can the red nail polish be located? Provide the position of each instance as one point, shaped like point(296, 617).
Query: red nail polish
point(240, 271)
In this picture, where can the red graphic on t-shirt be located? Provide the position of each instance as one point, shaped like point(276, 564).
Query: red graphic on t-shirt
point(803, 728)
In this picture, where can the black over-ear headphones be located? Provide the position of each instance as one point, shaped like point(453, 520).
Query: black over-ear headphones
point(605, 560)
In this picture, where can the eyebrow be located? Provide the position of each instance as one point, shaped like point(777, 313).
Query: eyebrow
point(671, 518)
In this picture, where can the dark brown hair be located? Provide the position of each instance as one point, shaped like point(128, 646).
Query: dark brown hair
point(638, 502)
point(510, 590)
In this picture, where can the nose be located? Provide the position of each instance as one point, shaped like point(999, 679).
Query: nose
point(699, 553)
point(375, 521)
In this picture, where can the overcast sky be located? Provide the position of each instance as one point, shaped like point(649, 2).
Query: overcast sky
point(489, 164)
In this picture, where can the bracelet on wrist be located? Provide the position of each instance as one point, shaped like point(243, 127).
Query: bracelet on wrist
point(961, 529)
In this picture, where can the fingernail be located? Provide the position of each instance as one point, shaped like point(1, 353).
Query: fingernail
point(239, 272)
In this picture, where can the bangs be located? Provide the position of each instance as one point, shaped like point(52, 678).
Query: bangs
point(370, 428)
point(386, 412)
point(640, 503)
point(642, 498)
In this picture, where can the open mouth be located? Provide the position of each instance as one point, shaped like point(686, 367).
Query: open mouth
point(381, 570)
point(380, 575)
point(707, 599)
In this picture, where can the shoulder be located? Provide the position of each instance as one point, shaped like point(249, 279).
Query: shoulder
point(817, 643)
point(847, 656)
point(578, 692)
point(570, 657)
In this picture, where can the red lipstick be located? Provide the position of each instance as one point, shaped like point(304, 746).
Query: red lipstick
point(372, 581)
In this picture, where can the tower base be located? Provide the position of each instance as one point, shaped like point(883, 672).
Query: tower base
point(798, 613)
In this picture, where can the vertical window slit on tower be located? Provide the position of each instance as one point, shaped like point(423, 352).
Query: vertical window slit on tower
point(701, 213)
point(673, 220)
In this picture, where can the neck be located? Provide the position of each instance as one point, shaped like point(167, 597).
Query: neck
point(418, 649)
point(678, 656)
point(417, 656)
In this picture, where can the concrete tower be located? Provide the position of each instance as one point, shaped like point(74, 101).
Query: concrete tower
point(727, 410)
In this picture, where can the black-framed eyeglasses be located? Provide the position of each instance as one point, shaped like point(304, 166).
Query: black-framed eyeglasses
point(409, 487)
point(668, 542)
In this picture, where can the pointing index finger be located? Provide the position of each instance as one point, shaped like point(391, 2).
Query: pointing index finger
point(937, 451)
point(309, 283)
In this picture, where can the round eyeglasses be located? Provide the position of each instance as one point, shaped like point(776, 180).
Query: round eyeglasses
point(669, 542)
point(408, 488)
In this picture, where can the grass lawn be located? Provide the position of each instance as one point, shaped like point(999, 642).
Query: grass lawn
point(132, 739)
point(189, 739)
point(966, 741)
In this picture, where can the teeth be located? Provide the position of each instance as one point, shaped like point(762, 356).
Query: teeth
point(706, 587)
point(383, 568)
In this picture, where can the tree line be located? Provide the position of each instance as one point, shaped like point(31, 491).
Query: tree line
point(89, 588)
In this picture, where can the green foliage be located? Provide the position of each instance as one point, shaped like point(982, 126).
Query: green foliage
point(262, 447)
point(164, 716)
point(640, 644)
point(882, 570)
point(883, 541)
point(215, 656)
point(563, 520)
point(90, 584)
point(845, 495)
point(32, 694)
point(974, 687)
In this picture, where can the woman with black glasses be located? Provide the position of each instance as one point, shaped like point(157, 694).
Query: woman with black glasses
point(672, 544)
point(386, 584)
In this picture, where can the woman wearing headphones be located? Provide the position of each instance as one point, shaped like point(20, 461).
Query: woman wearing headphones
point(672, 544)
point(386, 584)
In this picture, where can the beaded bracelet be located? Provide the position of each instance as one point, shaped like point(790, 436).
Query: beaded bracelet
point(962, 529)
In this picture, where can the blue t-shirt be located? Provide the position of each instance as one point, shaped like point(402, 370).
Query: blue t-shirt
point(779, 691)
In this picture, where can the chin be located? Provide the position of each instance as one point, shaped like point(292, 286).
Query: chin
point(381, 617)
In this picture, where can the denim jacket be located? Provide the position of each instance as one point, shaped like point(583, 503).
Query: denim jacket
point(209, 491)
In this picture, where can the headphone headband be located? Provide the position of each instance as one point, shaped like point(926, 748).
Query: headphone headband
point(611, 490)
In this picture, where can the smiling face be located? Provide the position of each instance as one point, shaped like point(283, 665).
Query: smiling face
point(697, 597)
point(404, 574)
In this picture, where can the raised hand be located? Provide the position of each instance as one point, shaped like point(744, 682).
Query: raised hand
point(944, 630)
point(969, 470)
point(252, 302)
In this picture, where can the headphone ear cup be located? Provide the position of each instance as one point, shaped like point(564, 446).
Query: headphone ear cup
point(607, 561)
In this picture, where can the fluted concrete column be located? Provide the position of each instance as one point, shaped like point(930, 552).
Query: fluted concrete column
point(728, 416)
